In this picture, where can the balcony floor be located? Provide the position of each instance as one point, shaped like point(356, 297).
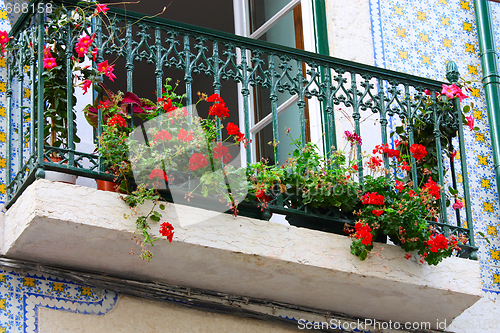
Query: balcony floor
point(83, 228)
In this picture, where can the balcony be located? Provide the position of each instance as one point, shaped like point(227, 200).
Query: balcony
point(273, 84)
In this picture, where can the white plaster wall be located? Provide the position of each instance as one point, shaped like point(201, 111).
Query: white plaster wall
point(133, 315)
point(349, 30)
point(350, 38)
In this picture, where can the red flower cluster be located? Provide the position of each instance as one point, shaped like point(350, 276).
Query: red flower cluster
point(184, 135)
point(197, 161)
point(163, 135)
point(167, 230)
point(167, 104)
point(384, 148)
point(399, 185)
point(117, 120)
point(432, 188)
point(405, 166)
point(418, 151)
point(158, 173)
point(377, 212)
point(221, 152)
point(373, 199)
point(219, 108)
point(374, 162)
point(233, 129)
point(363, 232)
point(437, 242)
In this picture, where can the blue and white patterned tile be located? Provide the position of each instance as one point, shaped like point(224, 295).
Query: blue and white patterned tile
point(21, 294)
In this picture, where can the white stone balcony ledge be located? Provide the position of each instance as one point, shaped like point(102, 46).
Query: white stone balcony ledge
point(82, 228)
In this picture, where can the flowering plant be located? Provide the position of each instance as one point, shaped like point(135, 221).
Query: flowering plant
point(170, 146)
point(57, 66)
point(385, 203)
point(423, 126)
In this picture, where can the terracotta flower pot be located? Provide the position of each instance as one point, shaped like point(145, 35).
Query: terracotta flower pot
point(105, 185)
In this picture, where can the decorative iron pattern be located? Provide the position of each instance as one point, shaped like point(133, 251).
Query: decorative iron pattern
point(166, 44)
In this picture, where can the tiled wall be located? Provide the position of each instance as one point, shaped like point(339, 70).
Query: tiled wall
point(419, 37)
point(22, 293)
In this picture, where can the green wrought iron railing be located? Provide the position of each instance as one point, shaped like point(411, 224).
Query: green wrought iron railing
point(223, 57)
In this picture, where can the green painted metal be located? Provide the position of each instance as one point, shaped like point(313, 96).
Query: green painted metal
point(321, 38)
point(40, 107)
point(8, 130)
point(69, 91)
point(452, 75)
point(437, 136)
point(274, 108)
point(251, 63)
point(491, 76)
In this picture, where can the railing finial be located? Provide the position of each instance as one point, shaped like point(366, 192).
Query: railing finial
point(452, 73)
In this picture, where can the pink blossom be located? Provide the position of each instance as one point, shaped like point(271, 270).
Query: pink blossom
point(449, 91)
point(86, 86)
point(107, 70)
point(458, 92)
point(470, 122)
point(94, 53)
point(101, 9)
point(49, 62)
point(458, 204)
point(81, 49)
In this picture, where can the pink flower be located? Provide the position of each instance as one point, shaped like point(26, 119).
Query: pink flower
point(4, 37)
point(49, 62)
point(470, 122)
point(107, 70)
point(458, 93)
point(86, 86)
point(85, 41)
point(449, 91)
point(101, 9)
point(453, 91)
point(94, 53)
point(81, 49)
point(458, 204)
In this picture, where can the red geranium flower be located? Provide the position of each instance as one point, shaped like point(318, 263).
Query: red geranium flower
point(399, 185)
point(163, 135)
point(215, 98)
point(158, 173)
point(197, 160)
point(117, 120)
point(437, 242)
point(167, 230)
point(232, 129)
point(373, 199)
point(184, 135)
point(405, 166)
point(418, 151)
point(221, 152)
point(432, 188)
point(363, 232)
point(219, 110)
point(377, 212)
